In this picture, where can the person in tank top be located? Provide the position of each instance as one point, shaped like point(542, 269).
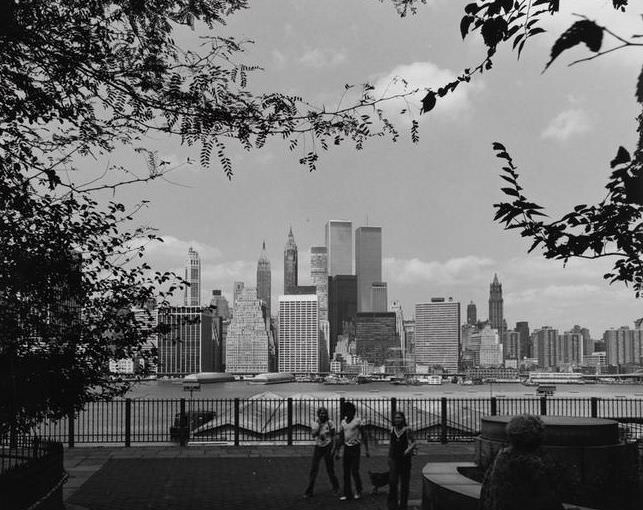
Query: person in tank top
point(400, 452)
point(351, 436)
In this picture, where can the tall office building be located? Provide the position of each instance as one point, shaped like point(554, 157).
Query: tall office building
point(190, 343)
point(437, 333)
point(524, 344)
point(495, 306)
point(220, 302)
point(248, 342)
point(375, 335)
point(342, 306)
point(490, 350)
point(472, 314)
point(379, 297)
point(511, 345)
point(623, 346)
point(237, 289)
point(339, 246)
point(192, 295)
point(570, 348)
point(545, 343)
point(319, 277)
point(396, 307)
point(264, 278)
point(298, 344)
point(368, 265)
point(290, 264)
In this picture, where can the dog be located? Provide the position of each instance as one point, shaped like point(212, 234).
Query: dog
point(378, 480)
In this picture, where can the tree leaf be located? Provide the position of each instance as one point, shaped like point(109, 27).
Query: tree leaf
point(622, 156)
point(583, 31)
point(428, 103)
point(465, 24)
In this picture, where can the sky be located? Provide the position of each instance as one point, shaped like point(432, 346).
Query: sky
point(434, 199)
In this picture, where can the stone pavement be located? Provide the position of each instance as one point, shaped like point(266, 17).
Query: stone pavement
point(224, 477)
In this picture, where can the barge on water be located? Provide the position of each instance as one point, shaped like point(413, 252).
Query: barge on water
point(272, 378)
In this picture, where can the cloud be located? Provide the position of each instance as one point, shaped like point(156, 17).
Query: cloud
point(319, 58)
point(557, 292)
point(279, 58)
point(423, 76)
point(567, 124)
point(454, 271)
point(175, 250)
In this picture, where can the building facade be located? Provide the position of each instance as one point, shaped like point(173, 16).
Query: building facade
point(437, 333)
point(220, 303)
point(342, 306)
point(190, 344)
point(375, 335)
point(339, 246)
point(290, 264)
point(379, 297)
point(368, 265)
point(472, 314)
point(511, 345)
point(490, 350)
point(623, 346)
point(299, 339)
point(319, 277)
point(192, 294)
point(249, 346)
point(496, 318)
point(236, 292)
point(545, 343)
point(264, 278)
point(522, 327)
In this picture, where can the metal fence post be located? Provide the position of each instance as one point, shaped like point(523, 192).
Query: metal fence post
point(183, 423)
point(71, 432)
point(443, 420)
point(543, 405)
point(236, 422)
point(593, 406)
point(128, 422)
point(342, 400)
point(494, 406)
point(289, 410)
point(393, 407)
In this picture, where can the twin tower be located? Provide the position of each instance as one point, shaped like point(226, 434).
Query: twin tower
point(333, 259)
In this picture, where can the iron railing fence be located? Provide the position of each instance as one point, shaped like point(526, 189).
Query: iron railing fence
point(288, 420)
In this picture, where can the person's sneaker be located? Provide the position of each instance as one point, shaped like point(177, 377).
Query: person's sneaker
point(343, 498)
point(357, 495)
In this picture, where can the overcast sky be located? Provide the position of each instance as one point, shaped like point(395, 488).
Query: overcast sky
point(434, 199)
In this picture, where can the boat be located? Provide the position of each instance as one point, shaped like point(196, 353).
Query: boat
point(364, 379)
point(336, 379)
point(432, 380)
point(207, 377)
point(546, 389)
point(272, 378)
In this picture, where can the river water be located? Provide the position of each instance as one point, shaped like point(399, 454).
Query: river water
point(165, 389)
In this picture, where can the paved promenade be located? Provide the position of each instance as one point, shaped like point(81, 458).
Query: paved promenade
point(224, 477)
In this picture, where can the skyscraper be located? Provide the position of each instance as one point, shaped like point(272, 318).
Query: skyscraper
point(339, 246)
point(368, 264)
point(545, 343)
point(375, 335)
point(248, 342)
point(290, 263)
point(264, 278)
point(379, 297)
point(319, 277)
point(524, 345)
point(191, 343)
point(495, 306)
point(472, 314)
point(192, 296)
point(219, 301)
point(342, 306)
point(437, 333)
point(238, 288)
point(298, 345)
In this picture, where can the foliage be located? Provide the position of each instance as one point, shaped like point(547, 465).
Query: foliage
point(614, 226)
point(78, 77)
point(69, 291)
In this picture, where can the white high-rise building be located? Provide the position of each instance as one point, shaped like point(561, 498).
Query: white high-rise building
point(490, 348)
point(248, 337)
point(299, 345)
point(437, 333)
point(192, 296)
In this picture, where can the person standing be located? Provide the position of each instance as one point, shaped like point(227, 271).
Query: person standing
point(323, 431)
point(351, 436)
point(400, 452)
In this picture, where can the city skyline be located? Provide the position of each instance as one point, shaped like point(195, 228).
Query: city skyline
point(434, 200)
